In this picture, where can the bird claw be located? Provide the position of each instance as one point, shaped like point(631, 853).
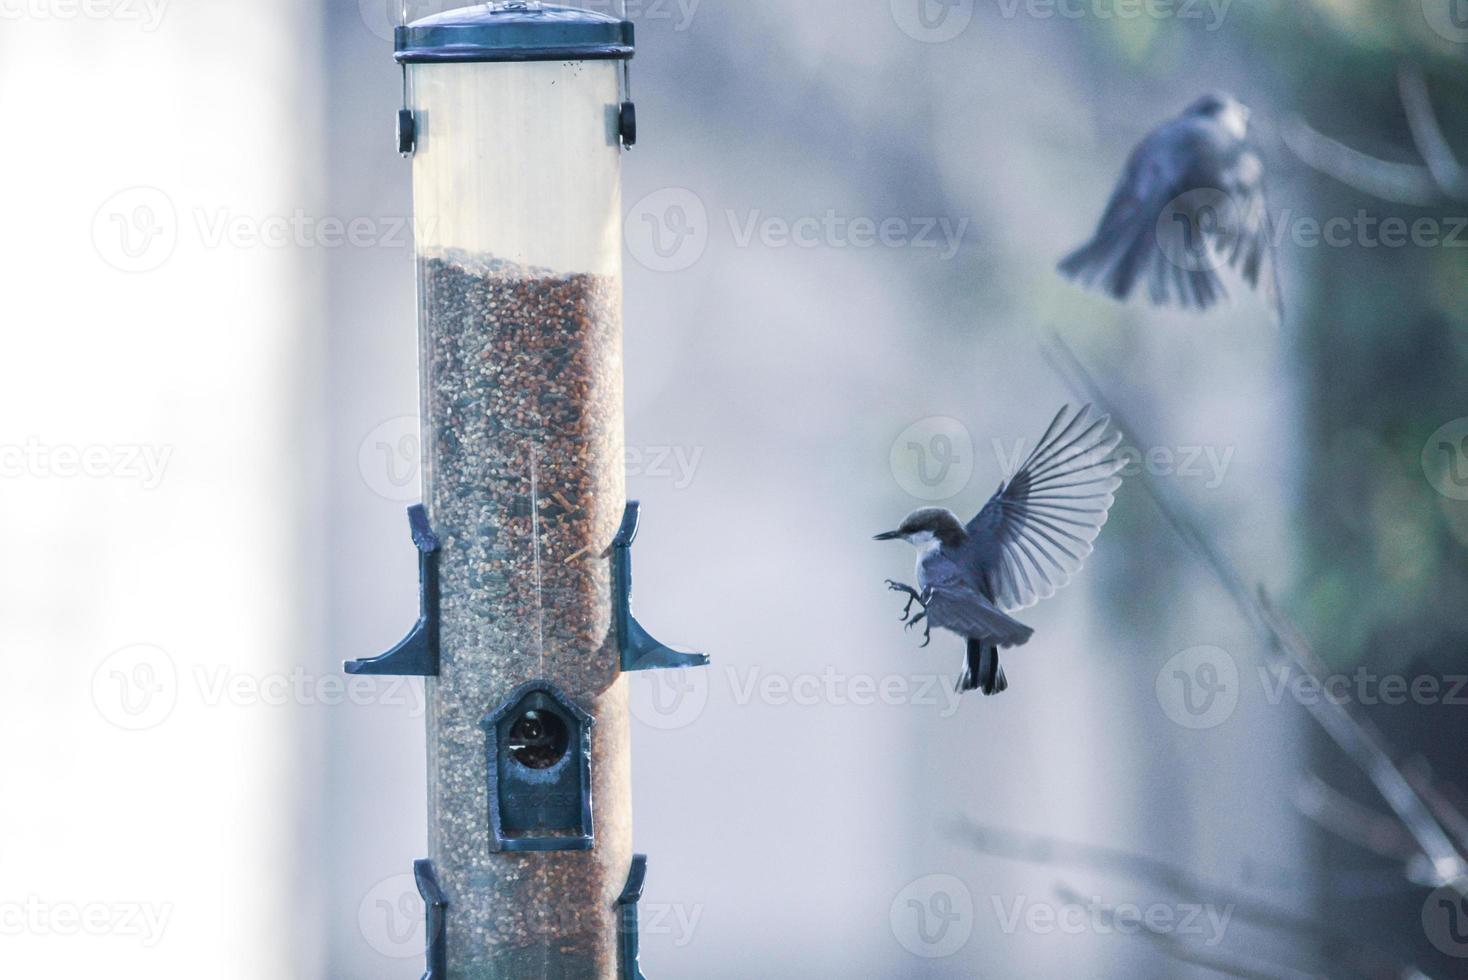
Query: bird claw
point(927, 630)
point(912, 597)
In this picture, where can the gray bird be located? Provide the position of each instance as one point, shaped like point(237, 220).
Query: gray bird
point(1026, 543)
point(1190, 201)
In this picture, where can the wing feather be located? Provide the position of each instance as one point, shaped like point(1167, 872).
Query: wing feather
point(1251, 238)
point(1030, 538)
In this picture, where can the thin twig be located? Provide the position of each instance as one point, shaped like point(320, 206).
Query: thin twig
point(1366, 960)
point(1229, 964)
point(1342, 816)
point(1440, 799)
point(1356, 737)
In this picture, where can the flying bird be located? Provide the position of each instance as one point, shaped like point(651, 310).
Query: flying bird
point(1026, 543)
point(1190, 201)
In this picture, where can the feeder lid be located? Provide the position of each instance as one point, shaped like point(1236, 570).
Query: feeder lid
point(514, 30)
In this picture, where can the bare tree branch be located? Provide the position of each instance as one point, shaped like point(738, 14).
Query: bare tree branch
point(1361, 740)
point(1228, 964)
point(1441, 799)
point(1399, 183)
point(1444, 178)
point(1428, 134)
point(1356, 737)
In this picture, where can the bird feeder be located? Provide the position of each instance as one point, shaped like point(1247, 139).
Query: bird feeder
point(516, 116)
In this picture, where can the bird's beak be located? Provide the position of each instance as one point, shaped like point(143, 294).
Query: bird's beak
point(888, 536)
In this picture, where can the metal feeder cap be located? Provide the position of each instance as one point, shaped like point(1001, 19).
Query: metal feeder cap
point(516, 30)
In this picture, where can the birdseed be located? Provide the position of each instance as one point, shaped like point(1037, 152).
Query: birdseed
point(524, 473)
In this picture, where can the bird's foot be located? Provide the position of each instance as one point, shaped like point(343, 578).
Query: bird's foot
point(912, 597)
point(927, 630)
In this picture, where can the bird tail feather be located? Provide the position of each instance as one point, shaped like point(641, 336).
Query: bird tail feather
point(982, 671)
point(1126, 252)
point(1115, 256)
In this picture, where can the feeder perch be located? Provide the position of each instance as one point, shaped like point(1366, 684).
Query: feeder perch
point(639, 651)
point(627, 903)
point(417, 654)
point(433, 928)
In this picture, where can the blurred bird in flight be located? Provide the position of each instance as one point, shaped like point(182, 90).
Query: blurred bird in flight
point(1024, 545)
point(1190, 201)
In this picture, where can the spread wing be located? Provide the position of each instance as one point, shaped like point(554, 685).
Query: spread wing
point(1034, 534)
point(962, 610)
point(1125, 246)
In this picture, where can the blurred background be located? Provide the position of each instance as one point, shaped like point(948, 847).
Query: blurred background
point(208, 440)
